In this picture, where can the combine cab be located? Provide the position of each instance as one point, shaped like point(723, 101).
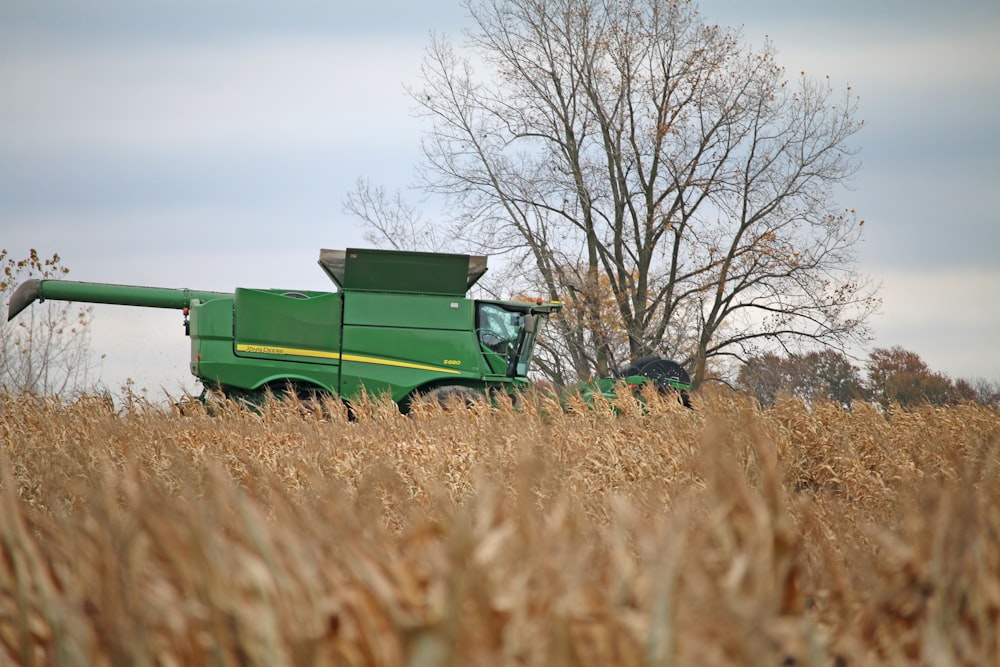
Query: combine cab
point(399, 323)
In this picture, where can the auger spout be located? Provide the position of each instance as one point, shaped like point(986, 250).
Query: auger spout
point(126, 295)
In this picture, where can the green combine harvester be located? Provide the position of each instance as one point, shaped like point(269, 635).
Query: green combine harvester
point(399, 323)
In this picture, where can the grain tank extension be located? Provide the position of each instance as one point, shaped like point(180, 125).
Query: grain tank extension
point(399, 323)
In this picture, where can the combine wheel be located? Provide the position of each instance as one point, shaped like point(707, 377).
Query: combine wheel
point(450, 397)
point(636, 367)
point(663, 372)
point(309, 398)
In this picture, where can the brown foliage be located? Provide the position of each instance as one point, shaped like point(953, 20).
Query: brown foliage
point(621, 535)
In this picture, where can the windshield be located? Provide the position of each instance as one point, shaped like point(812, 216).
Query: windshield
point(503, 336)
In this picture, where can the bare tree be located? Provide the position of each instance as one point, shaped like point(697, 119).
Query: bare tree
point(46, 349)
point(626, 150)
point(391, 221)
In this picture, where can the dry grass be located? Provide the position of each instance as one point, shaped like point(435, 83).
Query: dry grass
point(730, 536)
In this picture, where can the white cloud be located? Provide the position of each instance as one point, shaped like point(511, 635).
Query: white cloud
point(236, 96)
point(145, 345)
point(931, 63)
point(200, 248)
point(107, 118)
point(947, 317)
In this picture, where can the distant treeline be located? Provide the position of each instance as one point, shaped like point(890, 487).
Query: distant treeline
point(889, 376)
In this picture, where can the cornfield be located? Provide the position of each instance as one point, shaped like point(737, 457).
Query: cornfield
point(626, 534)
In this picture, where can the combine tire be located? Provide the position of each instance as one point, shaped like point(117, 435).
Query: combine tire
point(661, 371)
point(450, 396)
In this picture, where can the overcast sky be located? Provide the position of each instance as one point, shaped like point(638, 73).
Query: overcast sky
point(210, 145)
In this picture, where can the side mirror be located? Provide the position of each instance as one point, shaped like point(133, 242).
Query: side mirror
point(529, 323)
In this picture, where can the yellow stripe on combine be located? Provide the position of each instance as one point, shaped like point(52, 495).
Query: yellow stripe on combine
point(299, 352)
point(290, 351)
point(400, 364)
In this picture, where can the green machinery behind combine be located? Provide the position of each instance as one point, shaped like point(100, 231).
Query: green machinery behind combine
point(668, 377)
point(399, 323)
